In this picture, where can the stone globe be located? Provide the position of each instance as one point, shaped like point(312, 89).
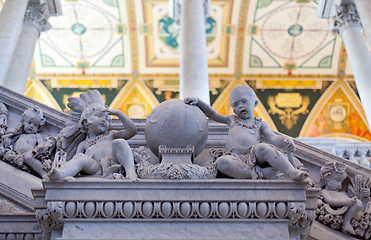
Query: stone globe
point(176, 125)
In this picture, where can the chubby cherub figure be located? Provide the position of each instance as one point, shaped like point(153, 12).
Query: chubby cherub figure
point(26, 138)
point(103, 150)
point(250, 150)
point(332, 176)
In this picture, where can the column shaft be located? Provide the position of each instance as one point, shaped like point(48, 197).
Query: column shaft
point(194, 79)
point(347, 23)
point(364, 11)
point(18, 71)
point(360, 60)
point(35, 21)
point(11, 19)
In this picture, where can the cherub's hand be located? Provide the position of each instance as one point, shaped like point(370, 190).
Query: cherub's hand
point(6, 142)
point(351, 201)
point(112, 111)
point(289, 144)
point(191, 101)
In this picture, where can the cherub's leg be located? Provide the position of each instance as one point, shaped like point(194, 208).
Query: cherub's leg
point(266, 153)
point(232, 166)
point(108, 167)
point(35, 164)
point(121, 152)
point(349, 215)
point(79, 163)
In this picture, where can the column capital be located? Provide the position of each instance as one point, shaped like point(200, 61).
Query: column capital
point(345, 16)
point(37, 15)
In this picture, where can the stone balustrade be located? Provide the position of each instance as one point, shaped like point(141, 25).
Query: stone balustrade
point(356, 152)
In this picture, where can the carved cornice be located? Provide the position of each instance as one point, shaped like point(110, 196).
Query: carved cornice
point(16, 197)
point(37, 15)
point(345, 17)
point(19, 103)
point(211, 210)
point(186, 201)
point(20, 226)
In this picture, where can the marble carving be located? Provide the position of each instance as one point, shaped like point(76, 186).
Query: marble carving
point(99, 151)
point(344, 206)
point(251, 144)
point(176, 133)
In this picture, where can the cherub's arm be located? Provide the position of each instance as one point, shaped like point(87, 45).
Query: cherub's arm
point(81, 147)
point(335, 201)
point(130, 128)
point(280, 141)
point(209, 111)
point(11, 136)
point(40, 138)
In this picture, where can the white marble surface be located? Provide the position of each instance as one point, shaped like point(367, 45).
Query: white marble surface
point(176, 231)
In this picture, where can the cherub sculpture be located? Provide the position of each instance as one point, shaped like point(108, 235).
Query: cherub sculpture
point(100, 150)
point(3, 127)
point(250, 151)
point(332, 176)
point(21, 142)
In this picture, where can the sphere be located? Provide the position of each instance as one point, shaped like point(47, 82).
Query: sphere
point(176, 125)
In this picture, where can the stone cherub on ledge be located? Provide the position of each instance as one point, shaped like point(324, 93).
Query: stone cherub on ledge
point(21, 143)
point(99, 151)
point(250, 151)
point(340, 209)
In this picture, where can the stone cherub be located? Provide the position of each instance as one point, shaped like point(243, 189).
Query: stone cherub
point(102, 150)
point(332, 176)
point(3, 127)
point(250, 150)
point(22, 141)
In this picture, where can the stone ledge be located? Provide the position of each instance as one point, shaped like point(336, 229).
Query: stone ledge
point(181, 209)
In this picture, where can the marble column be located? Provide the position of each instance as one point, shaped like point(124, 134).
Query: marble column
point(194, 79)
point(11, 19)
point(35, 21)
point(364, 11)
point(347, 23)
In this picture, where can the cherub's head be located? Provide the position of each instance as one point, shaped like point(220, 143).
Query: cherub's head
point(94, 119)
point(32, 120)
point(243, 101)
point(332, 176)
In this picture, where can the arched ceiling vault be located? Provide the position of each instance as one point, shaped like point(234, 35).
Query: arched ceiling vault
point(278, 47)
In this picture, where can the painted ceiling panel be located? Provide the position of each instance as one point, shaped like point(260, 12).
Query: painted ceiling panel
point(90, 37)
point(285, 36)
point(130, 51)
point(159, 37)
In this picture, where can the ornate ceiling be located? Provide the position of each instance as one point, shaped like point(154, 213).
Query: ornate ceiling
point(129, 50)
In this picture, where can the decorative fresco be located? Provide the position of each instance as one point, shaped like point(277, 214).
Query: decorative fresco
point(339, 114)
point(62, 90)
point(130, 51)
point(288, 108)
point(285, 35)
point(90, 37)
point(169, 32)
point(161, 35)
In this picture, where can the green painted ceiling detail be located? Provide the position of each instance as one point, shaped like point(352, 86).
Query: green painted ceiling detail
point(169, 31)
point(89, 35)
point(286, 32)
